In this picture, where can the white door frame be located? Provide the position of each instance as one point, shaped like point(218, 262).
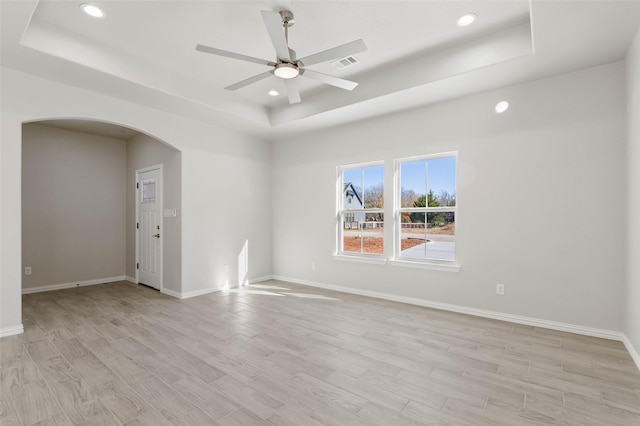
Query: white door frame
point(138, 171)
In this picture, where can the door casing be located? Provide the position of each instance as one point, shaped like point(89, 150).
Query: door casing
point(161, 207)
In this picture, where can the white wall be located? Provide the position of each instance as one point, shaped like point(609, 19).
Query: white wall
point(228, 205)
point(538, 190)
point(73, 206)
point(226, 183)
point(144, 151)
point(632, 295)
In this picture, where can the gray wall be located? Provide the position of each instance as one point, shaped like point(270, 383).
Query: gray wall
point(632, 296)
point(144, 151)
point(538, 188)
point(73, 206)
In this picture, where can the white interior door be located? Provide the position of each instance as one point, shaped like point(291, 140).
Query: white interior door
point(149, 194)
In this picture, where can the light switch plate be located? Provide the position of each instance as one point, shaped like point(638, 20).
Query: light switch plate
point(170, 212)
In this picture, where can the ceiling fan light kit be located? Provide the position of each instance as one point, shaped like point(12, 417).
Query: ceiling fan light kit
point(286, 71)
point(287, 66)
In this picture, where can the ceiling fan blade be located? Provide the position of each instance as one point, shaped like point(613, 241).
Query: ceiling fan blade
point(219, 52)
point(249, 81)
point(292, 90)
point(329, 79)
point(334, 53)
point(273, 22)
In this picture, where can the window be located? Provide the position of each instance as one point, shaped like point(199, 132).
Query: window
point(149, 191)
point(426, 212)
point(360, 209)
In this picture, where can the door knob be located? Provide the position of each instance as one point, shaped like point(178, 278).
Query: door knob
point(157, 235)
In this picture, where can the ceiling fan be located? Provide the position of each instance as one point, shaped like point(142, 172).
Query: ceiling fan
point(287, 66)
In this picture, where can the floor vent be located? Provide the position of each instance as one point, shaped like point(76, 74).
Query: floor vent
point(345, 62)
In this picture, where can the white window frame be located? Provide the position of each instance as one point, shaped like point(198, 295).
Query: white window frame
point(340, 254)
point(437, 264)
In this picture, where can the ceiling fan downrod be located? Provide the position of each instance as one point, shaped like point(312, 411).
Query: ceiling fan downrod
point(287, 21)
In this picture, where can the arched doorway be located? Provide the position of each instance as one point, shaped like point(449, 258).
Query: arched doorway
point(78, 203)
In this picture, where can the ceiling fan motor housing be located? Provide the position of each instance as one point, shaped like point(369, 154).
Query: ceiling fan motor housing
point(287, 18)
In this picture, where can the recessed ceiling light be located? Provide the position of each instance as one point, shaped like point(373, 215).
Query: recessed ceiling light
point(273, 93)
point(92, 10)
point(502, 106)
point(467, 19)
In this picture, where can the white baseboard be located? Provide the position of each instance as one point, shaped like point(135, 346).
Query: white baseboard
point(260, 279)
point(131, 279)
point(189, 294)
point(171, 293)
point(10, 331)
point(632, 351)
point(52, 287)
point(535, 322)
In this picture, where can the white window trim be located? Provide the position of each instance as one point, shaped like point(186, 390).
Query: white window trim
point(379, 259)
point(374, 259)
point(434, 264)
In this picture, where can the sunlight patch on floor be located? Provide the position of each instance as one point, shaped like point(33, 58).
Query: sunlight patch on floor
point(244, 290)
point(272, 287)
point(310, 296)
point(263, 289)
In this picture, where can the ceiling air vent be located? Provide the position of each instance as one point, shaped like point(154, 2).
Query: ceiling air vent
point(345, 62)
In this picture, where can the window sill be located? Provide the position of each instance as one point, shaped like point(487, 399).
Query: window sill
point(362, 259)
point(449, 266)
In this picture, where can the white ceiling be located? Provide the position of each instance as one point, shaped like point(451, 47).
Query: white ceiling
point(144, 51)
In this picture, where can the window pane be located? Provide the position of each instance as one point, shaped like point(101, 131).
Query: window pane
point(363, 190)
point(441, 178)
point(352, 188)
point(413, 235)
point(148, 190)
point(374, 187)
point(428, 235)
point(441, 231)
point(413, 181)
point(352, 220)
point(363, 233)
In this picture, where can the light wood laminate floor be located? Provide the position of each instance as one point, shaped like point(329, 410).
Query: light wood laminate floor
point(283, 354)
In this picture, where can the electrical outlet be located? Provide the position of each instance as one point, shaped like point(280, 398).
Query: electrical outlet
point(313, 266)
point(225, 268)
point(27, 270)
point(500, 289)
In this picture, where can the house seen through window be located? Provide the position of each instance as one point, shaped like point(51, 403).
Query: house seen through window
point(360, 209)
